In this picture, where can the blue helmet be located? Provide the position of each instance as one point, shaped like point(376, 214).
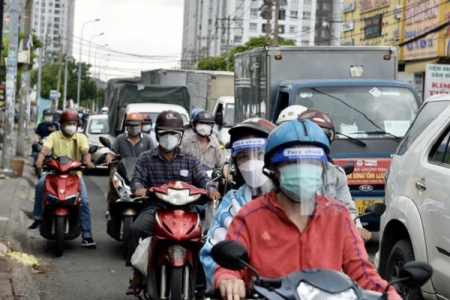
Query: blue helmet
point(295, 132)
point(194, 112)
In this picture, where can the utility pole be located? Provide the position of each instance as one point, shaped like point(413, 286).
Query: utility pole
point(66, 68)
point(277, 16)
point(58, 81)
point(38, 89)
point(269, 17)
point(228, 43)
point(11, 76)
point(25, 79)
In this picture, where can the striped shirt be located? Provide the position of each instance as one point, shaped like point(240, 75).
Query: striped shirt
point(153, 170)
point(212, 155)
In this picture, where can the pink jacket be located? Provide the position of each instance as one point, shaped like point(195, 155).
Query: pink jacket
point(277, 248)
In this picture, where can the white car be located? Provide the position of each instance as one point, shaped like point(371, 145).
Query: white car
point(416, 224)
point(97, 126)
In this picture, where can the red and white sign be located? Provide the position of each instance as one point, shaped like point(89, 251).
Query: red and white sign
point(367, 170)
point(437, 80)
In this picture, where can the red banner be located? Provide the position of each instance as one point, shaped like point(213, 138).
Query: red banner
point(367, 170)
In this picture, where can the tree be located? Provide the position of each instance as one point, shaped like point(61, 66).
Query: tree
point(220, 63)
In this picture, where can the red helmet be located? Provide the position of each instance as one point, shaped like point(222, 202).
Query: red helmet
point(260, 127)
point(322, 119)
point(69, 115)
point(134, 118)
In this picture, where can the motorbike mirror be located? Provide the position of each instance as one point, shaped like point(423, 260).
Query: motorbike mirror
point(105, 142)
point(417, 272)
point(93, 149)
point(217, 173)
point(348, 168)
point(375, 209)
point(230, 254)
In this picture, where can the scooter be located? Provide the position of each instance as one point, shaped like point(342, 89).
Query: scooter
point(175, 244)
point(62, 203)
point(123, 209)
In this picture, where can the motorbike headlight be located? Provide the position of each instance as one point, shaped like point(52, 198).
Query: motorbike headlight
point(308, 292)
point(70, 200)
point(52, 199)
point(178, 197)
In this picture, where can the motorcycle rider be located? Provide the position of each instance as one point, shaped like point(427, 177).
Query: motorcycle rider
point(44, 129)
point(147, 129)
point(248, 139)
point(67, 142)
point(297, 225)
point(133, 142)
point(342, 194)
point(201, 145)
point(290, 113)
point(156, 167)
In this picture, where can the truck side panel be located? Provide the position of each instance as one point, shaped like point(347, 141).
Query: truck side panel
point(198, 85)
point(221, 85)
point(164, 77)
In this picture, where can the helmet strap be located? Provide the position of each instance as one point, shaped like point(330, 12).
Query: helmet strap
point(272, 176)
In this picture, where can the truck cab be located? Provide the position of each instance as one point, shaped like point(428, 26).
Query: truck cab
point(224, 116)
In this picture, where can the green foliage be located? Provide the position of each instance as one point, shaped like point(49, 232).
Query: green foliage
point(220, 63)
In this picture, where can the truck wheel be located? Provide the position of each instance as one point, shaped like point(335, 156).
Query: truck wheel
point(401, 253)
point(59, 236)
point(176, 282)
point(127, 221)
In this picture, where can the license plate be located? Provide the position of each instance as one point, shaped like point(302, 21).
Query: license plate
point(362, 204)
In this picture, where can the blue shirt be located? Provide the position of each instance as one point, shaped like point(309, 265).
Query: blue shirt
point(43, 131)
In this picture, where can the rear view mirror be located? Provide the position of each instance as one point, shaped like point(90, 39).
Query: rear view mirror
point(93, 149)
point(348, 168)
point(376, 209)
point(105, 142)
point(219, 118)
point(230, 254)
point(217, 173)
point(417, 272)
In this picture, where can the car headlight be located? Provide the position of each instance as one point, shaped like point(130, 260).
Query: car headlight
point(178, 197)
point(52, 199)
point(306, 291)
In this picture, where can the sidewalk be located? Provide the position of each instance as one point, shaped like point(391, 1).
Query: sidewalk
point(16, 195)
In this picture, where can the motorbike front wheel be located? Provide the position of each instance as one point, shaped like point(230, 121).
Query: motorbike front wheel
point(59, 235)
point(126, 223)
point(176, 282)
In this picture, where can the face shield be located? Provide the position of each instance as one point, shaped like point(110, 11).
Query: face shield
point(248, 155)
point(301, 172)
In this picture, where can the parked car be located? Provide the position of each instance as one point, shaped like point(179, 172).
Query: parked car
point(416, 223)
point(97, 126)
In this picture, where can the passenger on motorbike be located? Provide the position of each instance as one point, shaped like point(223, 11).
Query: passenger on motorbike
point(67, 142)
point(154, 168)
point(248, 141)
point(147, 129)
point(340, 183)
point(131, 143)
point(44, 129)
point(298, 226)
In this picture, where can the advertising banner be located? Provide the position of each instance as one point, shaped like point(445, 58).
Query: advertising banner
point(367, 170)
point(437, 80)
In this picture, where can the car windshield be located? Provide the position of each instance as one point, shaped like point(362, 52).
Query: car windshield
point(363, 112)
point(228, 116)
point(98, 126)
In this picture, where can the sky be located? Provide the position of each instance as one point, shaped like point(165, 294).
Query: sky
point(142, 28)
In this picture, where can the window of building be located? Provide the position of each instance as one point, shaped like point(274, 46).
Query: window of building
point(294, 14)
point(307, 1)
point(57, 19)
point(294, 1)
point(305, 28)
point(57, 5)
point(209, 21)
point(56, 26)
point(305, 42)
point(253, 12)
point(327, 6)
point(292, 29)
point(237, 39)
point(280, 28)
point(239, 24)
point(253, 27)
point(50, 11)
point(57, 12)
point(263, 28)
point(50, 4)
point(282, 15)
point(306, 15)
point(55, 32)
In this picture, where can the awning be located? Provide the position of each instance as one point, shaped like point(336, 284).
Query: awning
point(418, 66)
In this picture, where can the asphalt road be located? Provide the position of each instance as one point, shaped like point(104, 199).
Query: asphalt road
point(87, 273)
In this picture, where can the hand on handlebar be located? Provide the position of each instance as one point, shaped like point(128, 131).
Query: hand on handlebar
point(140, 193)
point(109, 158)
point(214, 195)
point(232, 289)
point(90, 165)
point(365, 234)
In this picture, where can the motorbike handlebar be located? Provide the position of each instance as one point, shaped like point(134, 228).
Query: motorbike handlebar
point(215, 294)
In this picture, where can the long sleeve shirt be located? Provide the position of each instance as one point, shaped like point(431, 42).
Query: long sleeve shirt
point(277, 247)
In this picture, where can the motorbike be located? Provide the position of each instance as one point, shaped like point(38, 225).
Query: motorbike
point(123, 209)
point(175, 244)
point(312, 283)
point(62, 202)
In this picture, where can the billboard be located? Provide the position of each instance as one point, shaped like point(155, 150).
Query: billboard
point(437, 80)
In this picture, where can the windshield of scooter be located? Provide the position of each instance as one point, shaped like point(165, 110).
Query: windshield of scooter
point(126, 168)
point(363, 111)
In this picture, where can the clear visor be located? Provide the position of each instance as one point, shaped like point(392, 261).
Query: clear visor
point(302, 173)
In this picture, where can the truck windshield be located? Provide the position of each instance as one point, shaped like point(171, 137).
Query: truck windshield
point(228, 116)
point(363, 112)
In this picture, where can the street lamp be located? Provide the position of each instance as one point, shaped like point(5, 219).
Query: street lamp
point(99, 61)
point(79, 62)
point(89, 55)
point(95, 54)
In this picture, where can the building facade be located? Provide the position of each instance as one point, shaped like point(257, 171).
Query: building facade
point(53, 21)
point(211, 28)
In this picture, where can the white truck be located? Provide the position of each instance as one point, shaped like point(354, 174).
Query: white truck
point(357, 86)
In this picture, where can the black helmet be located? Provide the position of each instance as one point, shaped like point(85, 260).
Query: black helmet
point(204, 117)
point(169, 120)
point(257, 126)
point(48, 111)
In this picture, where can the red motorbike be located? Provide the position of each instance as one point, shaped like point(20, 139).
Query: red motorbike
point(176, 242)
point(61, 203)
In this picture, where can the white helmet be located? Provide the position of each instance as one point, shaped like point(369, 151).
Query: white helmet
point(290, 113)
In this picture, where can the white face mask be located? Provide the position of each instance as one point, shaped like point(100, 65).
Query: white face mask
point(146, 128)
point(251, 171)
point(203, 129)
point(71, 129)
point(169, 142)
point(48, 119)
